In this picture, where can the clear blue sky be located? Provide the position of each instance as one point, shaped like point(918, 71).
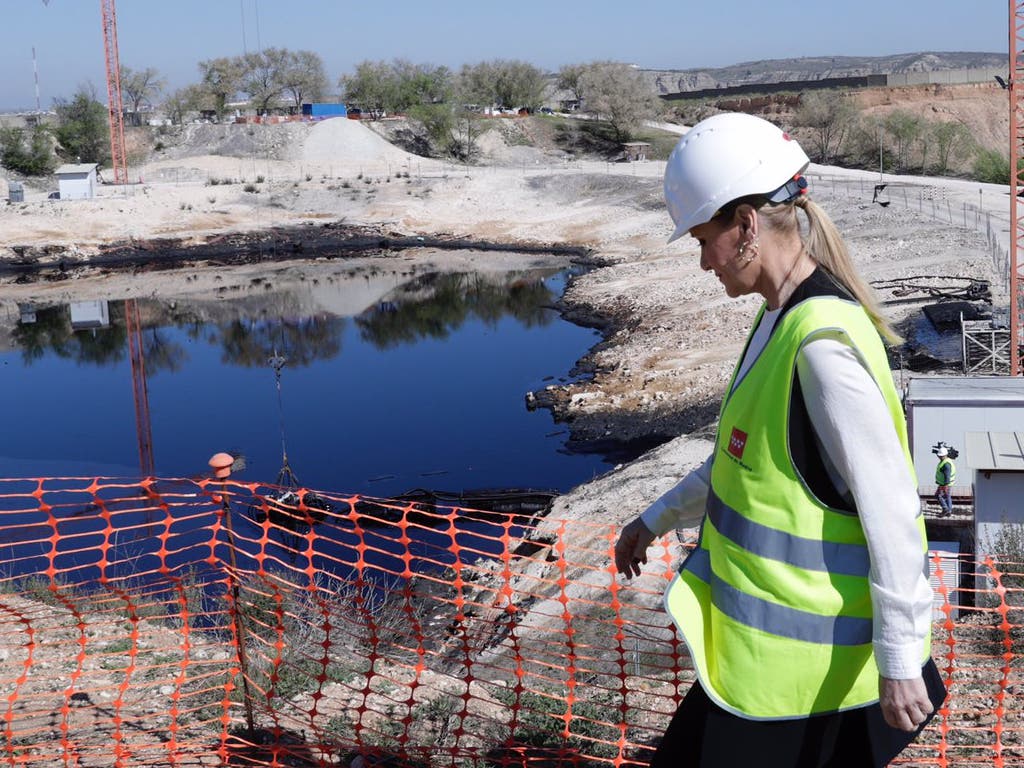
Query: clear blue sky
point(173, 35)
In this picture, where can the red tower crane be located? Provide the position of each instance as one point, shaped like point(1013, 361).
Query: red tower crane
point(133, 326)
point(115, 105)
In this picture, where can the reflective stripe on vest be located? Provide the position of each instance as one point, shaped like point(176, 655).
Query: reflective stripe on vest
point(940, 478)
point(774, 602)
point(778, 619)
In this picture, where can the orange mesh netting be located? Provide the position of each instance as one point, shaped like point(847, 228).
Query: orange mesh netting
point(180, 622)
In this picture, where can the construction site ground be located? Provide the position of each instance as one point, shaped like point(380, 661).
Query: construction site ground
point(670, 335)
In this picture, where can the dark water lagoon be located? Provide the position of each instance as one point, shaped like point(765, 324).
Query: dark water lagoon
point(385, 384)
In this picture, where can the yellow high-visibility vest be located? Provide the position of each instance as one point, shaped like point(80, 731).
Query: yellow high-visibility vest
point(940, 478)
point(774, 601)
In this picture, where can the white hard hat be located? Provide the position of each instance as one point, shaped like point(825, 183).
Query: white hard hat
point(726, 157)
point(942, 452)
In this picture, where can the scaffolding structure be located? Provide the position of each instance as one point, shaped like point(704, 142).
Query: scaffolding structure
point(986, 348)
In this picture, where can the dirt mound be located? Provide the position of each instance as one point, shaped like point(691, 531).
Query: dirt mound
point(268, 142)
point(342, 143)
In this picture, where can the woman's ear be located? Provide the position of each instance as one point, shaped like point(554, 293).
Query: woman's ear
point(746, 217)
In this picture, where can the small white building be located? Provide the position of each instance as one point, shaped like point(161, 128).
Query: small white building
point(77, 181)
point(86, 315)
point(947, 408)
point(997, 463)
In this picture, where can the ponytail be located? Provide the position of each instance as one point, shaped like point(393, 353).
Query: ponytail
point(828, 249)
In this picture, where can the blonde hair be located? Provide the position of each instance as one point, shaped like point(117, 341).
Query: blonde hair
point(826, 246)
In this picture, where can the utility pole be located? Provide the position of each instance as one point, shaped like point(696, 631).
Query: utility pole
point(35, 72)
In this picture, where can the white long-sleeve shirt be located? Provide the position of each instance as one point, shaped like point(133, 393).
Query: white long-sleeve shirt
point(863, 456)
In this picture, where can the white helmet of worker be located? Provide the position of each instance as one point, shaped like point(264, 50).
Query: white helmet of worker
point(726, 157)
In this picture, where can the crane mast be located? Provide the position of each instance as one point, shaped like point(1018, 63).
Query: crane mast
point(115, 105)
point(118, 156)
point(133, 326)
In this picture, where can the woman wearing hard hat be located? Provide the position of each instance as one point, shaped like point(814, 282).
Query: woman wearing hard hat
point(805, 605)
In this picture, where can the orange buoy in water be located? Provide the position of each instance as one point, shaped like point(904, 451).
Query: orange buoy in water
point(221, 464)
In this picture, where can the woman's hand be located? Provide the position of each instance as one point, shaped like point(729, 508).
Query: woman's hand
point(905, 703)
point(631, 548)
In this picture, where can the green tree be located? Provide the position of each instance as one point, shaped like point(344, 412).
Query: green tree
point(502, 83)
point(828, 116)
point(519, 85)
point(140, 88)
point(83, 128)
point(370, 87)
point(263, 77)
point(905, 129)
point(992, 166)
point(417, 84)
point(183, 101)
point(618, 94)
point(29, 153)
point(303, 77)
point(951, 139)
point(475, 84)
point(388, 87)
point(569, 79)
point(865, 143)
point(221, 80)
point(438, 120)
point(452, 129)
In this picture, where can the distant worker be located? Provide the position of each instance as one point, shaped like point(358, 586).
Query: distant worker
point(805, 604)
point(945, 476)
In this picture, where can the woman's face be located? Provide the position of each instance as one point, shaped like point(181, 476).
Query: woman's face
point(719, 253)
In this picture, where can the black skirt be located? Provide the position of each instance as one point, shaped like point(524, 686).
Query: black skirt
point(703, 735)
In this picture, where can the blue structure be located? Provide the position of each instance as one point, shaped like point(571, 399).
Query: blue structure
point(321, 110)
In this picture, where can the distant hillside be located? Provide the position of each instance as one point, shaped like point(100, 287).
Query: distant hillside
point(816, 68)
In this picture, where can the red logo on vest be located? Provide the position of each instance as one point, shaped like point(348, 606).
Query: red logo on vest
point(737, 442)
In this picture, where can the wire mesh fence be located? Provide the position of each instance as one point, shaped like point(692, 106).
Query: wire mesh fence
point(200, 622)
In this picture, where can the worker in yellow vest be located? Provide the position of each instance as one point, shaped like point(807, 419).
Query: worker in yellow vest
point(945, 476)
point(805, 604)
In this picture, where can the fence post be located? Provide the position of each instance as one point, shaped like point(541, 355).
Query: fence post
point(221, 464)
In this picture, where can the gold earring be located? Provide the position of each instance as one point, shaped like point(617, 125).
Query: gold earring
point(748, 250)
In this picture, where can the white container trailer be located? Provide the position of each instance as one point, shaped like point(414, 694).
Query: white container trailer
point(947, 408)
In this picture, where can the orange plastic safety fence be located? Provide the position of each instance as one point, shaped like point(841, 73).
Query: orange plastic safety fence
point(195, 623)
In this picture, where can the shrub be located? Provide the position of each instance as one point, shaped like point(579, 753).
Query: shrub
point(33, 157)
point(992, 166)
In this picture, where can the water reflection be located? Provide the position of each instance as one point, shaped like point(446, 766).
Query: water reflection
point(42, 330)
point(454, 298)
point(429, 307)
point(389, 378)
